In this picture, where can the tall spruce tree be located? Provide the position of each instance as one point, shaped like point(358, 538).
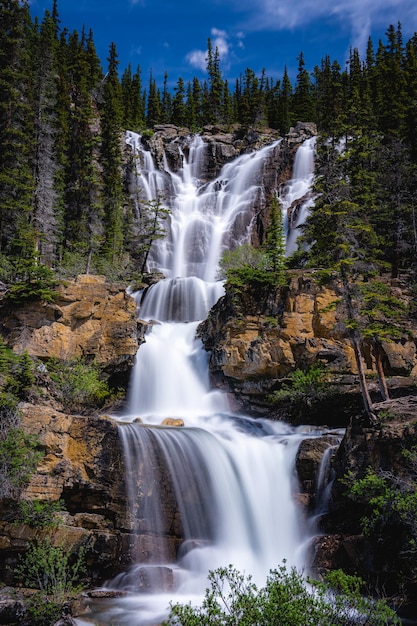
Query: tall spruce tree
point(111, 160)
point(303, 103)
point(47, 209)
point(340, 215)
point(16, 131)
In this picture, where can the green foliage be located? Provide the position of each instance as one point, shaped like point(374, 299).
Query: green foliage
point(56, 571)
point(19, 456)
point(288, 599)
point(39, 513)
point(16, 375)
point(32, 281)
point(388, 506)
point(151, 226)
point(307, 386)
point(80, 386)
point(275, 240)
point(382, 313)
point(247, 267)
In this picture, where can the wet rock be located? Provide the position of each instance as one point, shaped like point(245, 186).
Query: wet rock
point(12, 607)
point(66, 618)
point(172, 421)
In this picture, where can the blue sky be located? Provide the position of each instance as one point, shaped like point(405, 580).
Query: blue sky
point(171, 35)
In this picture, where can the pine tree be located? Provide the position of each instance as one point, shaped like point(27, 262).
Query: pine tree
point(410, 76)
point(340, 215)
point(216, 84)
point(111, 159)
point(153, 113)
point(303, 104)
point(275, 239)
point(391, 93)
point(16, 131)
point(179, 111)
point(166, 102)
point(47, 218)
point(284, 114)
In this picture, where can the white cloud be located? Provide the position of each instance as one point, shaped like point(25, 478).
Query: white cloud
point(197, 59)
point(219, 40)
point(357, 16)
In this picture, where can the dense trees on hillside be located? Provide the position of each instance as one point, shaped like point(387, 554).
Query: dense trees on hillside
point(63, 200)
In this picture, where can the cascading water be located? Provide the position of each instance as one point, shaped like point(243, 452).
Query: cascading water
point(296, 199)
point(229, 479)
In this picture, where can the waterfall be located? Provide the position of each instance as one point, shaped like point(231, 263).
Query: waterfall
point(295, 197)
point(220, 489)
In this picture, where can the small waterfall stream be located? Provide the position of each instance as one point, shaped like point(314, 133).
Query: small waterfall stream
point(296, 198)
point(229, 479)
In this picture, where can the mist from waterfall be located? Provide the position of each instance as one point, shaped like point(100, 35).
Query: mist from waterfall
point(230, 478)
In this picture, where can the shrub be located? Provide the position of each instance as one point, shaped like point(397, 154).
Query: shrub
point(19, 456)
point(306, 387)
point(388, 513)
point(32, 281)
point(79, 384)
point(56, 572)
point(288, 599)
point(39, 513)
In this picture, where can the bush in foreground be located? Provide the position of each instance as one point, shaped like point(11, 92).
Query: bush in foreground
point(288, 599)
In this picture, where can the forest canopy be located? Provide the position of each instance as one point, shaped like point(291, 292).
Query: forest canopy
point(64, 201)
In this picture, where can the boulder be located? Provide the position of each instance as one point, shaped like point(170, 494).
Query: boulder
point(90, 318)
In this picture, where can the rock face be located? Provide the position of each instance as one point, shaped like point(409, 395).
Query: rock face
point(169, 144)
point(381, 450)
point(90, 318)
point(257, 342)
point(83, 467)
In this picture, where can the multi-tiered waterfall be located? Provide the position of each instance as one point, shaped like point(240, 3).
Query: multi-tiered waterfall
point(230, 478)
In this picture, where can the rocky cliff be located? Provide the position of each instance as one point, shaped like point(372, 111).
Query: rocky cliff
point(89, 318)
point(169, 144)
point(255, 342)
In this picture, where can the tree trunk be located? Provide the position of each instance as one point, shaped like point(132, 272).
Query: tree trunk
point(355, 341)
point(366, 398)
point(382, 381)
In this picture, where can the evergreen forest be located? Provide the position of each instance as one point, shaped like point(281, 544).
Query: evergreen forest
point(64, 203)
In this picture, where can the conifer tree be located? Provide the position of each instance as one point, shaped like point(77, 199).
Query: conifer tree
point(391, 94)
point(111, 159)
point(166, 102)
point(47, 218)
point(153, 113)
point(303, 104)
point(16, 131)
point(179, 111)
point(216, 84)
point(410, 77)
point(275, 239)
point(340, 216)
point(195, 105)
point(284, 117)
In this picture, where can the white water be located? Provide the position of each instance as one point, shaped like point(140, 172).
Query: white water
point(298, 191)
point(231, 478)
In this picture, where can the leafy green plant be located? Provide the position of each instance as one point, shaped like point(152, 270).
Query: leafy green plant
point(79, 384)
point(39, 513)
point(32, 281)
point(305, 386)
point(20, 454)
point(288, 599)
point(56, 572)
point(388, 509)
